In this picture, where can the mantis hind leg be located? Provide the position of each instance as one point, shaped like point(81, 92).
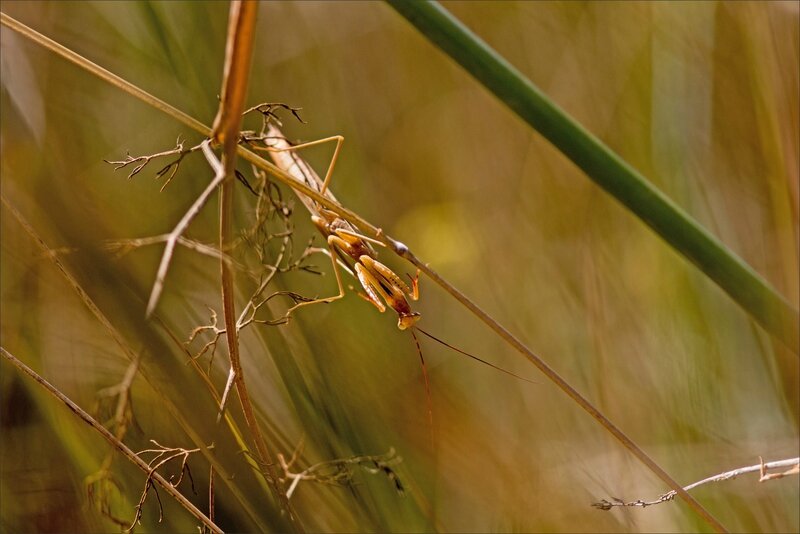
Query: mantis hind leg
point(339, 284)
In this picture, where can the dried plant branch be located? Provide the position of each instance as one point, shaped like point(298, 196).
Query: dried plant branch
point(216, 332)
point(765, 477)
point(236, 375)
point(267, 111)
point(116, 443)
point(100, 484)
point(339, 471)
point(259, 237)
point(123, 413)
point(256, 301)
point(233, 427)
point(180, 228)
point(761, 468)
point(142, 161)
point(296, 298)
point(270, 205)
point(162, 456)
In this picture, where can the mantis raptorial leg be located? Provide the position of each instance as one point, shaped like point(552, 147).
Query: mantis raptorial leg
point(341, 236)
point(326, 300)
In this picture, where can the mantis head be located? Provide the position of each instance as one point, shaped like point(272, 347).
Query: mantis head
point(407, 320)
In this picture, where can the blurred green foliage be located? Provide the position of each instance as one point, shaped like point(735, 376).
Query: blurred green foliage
point(702, 97)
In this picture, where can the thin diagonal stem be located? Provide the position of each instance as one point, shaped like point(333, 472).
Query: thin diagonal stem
point(571, 392)
point(108, 436)
point(104, 74)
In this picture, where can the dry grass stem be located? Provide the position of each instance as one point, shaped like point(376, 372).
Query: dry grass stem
point(216, 332)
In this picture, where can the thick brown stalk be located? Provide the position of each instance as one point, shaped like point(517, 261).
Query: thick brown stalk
point(238, 54)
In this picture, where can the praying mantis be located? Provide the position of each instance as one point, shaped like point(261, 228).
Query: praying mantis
point(382, 286)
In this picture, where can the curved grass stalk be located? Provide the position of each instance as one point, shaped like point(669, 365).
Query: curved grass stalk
point(607, 169)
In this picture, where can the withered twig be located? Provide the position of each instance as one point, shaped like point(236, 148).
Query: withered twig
point(339, 471)
point(761, 468)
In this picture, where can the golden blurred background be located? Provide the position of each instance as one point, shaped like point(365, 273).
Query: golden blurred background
point(701, 97)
